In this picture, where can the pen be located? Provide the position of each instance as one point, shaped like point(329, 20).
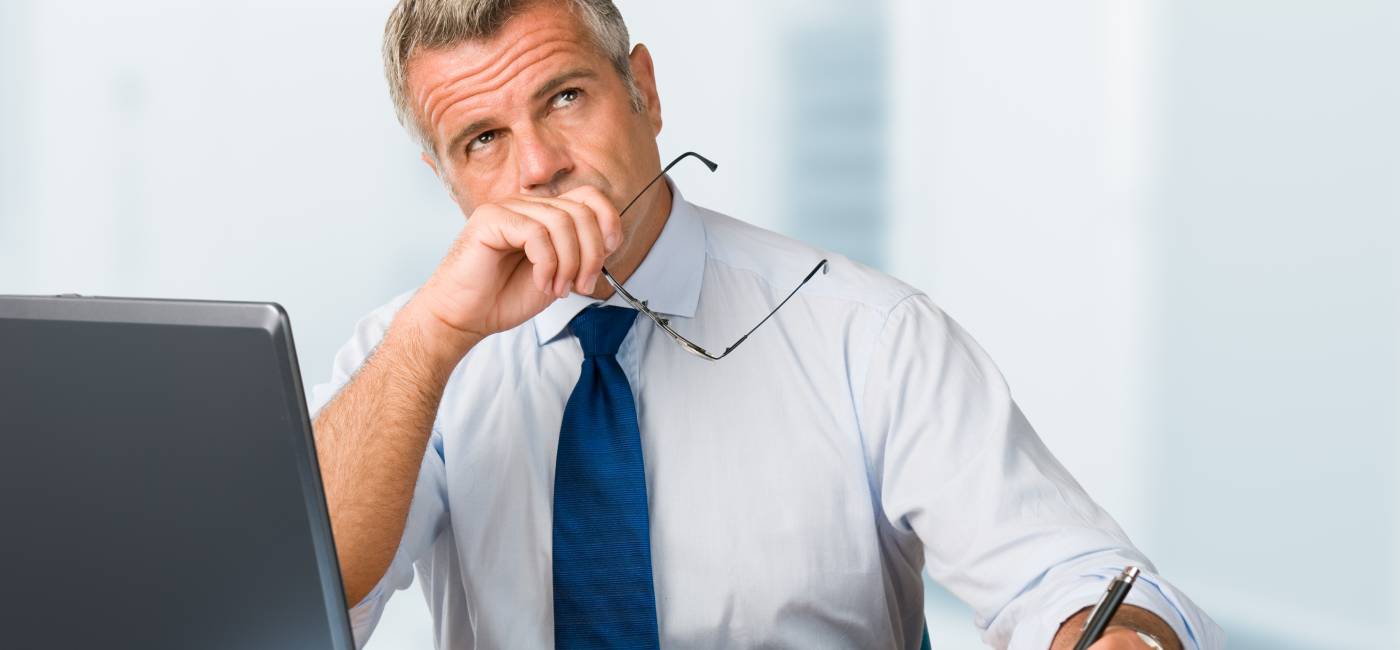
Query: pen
point(1107, 607)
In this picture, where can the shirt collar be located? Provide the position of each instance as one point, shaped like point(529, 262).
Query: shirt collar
point(668, 278)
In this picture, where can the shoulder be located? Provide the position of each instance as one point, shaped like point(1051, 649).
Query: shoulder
point(372, 326)
point(365, 337)
point(736, 247)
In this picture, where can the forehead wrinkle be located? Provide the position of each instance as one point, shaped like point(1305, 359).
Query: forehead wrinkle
point(465, 90)
point(432, 94)
point(487, 65)
point(452, 88)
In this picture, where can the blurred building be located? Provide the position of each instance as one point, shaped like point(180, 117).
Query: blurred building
point(833, 138)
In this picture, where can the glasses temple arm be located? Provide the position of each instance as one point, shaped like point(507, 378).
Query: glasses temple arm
point(821, 266)
point(708, 163)
point(689, 154)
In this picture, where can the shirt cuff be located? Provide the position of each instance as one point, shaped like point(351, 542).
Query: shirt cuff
point(364, 616)
point(1195, 630)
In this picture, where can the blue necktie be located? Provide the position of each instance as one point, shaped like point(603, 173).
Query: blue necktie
point(603, 596)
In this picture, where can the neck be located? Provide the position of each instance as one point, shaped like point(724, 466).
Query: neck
point(656, 208)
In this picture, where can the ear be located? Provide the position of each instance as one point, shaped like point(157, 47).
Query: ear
point(446, 183)
point(644, 74)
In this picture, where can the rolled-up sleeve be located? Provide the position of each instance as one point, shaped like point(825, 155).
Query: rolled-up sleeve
point(427, 514)
point(1002, 525)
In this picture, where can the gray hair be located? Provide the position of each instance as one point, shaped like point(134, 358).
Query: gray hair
point(416, 25)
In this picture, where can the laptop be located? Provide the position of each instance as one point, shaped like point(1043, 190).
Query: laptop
point(158, 481)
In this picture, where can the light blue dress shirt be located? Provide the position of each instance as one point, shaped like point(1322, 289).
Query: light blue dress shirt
point(798, 488)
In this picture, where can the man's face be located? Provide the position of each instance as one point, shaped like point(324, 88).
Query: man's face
point(539, 110)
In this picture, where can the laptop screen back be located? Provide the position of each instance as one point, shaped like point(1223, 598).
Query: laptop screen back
point(157, 480)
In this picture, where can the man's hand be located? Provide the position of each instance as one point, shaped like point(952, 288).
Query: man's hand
point(512, 259)
point(515, 257)
point(1121, 633)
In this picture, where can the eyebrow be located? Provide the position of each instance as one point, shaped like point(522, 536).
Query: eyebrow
point(549, 86)
point(544, 91)
point(467, 132)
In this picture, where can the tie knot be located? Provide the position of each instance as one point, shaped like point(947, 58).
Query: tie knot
point(600, 330)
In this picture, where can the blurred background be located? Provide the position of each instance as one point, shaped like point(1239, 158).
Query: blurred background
point(1175, 225)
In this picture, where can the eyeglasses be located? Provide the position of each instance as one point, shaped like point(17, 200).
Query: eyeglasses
point(664, 323)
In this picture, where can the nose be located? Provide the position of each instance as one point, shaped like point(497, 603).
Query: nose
point(544, 162)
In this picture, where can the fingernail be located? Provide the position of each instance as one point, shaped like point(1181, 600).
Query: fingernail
point(590, 283)
point(613, 241)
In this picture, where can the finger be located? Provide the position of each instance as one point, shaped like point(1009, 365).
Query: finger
point(592, 250)
point(562, 232)
point(508, 230)
point(609, 221)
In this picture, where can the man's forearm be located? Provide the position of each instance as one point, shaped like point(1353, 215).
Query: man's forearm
point(1127, 616)
point(370, 441)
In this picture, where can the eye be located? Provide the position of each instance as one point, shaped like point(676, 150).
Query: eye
point(566, 97)
point(486, 137)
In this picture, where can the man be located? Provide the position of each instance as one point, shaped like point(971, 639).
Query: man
point(567, 475)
